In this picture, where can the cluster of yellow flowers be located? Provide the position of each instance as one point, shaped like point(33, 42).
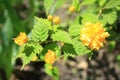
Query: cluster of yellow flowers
point(21, 39)
point(55, 19)
point(93, 35)
point(50, 57)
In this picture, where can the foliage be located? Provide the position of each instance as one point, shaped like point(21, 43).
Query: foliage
point(58, 36)
point(44, 35)
point(40, 30)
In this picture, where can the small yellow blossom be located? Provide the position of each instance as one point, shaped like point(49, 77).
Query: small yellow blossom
point(21, 39)
point(49, 17)
point(72, 8)
point(56, 20)
point(62, 43)
point(93, 35)
point(50, 57)
point(50, 67)
point(34, 58)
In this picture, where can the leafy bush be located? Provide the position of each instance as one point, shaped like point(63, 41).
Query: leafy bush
point(50, 38)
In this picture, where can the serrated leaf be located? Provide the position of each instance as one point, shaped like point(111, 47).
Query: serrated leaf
point(61, 36)
point(109, 17)
point(68, 50)
point(112, 4)
point(89, 17)
point(40, 29)
point(37, 48)
point(48, 4)
point(102, 2)
point(28, 51)
point(74, 29)
point(79, 47)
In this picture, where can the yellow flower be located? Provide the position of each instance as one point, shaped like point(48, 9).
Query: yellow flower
point(34, 58)
point(56, 20)
point(50, 67)
point(21, 39)
point(72, 8)
point(93, 35)
point(49, 17)
point(62, 43)
point(50, 57)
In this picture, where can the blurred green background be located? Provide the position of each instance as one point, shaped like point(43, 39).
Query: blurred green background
point(15, 16)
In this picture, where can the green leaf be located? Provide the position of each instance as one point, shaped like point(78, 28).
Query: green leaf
point(59, 3)
point(48, 4)
point(40, 30)
point(109, 17)
point(79, 47)
point(28, 51)
point(112, 4)
point(77, 20)
point(61, 36)
point(76, 3)
point(74, 29)
point(102, 2)
point(89, 17)
point(54, 72)
point(48, 69)
point(118, 57)
point(88, 2)
point(68, 50)
point(111, 46)
point(37, 48)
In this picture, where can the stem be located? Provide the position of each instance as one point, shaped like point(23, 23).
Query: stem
point(45, 42)
point(100, 12)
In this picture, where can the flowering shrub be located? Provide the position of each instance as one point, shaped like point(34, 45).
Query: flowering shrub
point(50, 38)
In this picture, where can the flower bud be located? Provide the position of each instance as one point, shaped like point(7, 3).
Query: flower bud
point(56, 20)
point(72, 8)
point(49, 17)
point(34, 58)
